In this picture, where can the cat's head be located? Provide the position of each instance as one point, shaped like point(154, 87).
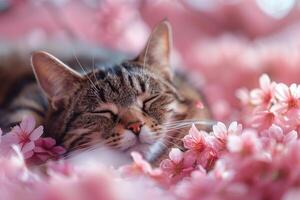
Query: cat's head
point(125, 106)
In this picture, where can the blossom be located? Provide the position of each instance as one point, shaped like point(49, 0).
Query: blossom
point(195, 140)
point(262, 119)
point(288, 99)
point(276, 134)
point(24, 135)
point(176, 165)
point(142, 167)
point(247, 143)
point(221, 134)
point(243, 95)
point(220, 131)
point(263, 95)
point(199, 147)
point(45, 149)
point(139, 166)
point(60, 167)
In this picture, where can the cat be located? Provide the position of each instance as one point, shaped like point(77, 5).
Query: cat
point(137, 105)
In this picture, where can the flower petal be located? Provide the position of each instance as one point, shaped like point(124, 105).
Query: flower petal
point(220, 130)
point(28, 124)
point(16, 130)
point(167, 165)
point(257, 96)
point(194, 132)
point(39, 150)
point(234, 143)
point(29, 146)
point(290, 137)
point(47, 142)
point(276, 133)
point(282, 92)
point(265, 82)
point(10, 138)
point(58, 150)
point(28, 154)
point(176, 155)
point(294, 90)
point(36, 133)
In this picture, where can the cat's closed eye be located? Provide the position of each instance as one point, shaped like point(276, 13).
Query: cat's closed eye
point(147, 102)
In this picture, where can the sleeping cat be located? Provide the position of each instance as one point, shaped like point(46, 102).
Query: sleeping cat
point(137, 105)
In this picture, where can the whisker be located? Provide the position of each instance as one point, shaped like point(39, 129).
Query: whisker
point(184, 120)
point(169, 142)
point(199, 122)
point(98, 142)
point(91, 146)
point(178, 126)
point(165, 136)
point(168, 129)
point(93, 67)
point(172, 143)
point(95, 89)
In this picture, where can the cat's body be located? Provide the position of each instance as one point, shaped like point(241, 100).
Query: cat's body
point(135, 105)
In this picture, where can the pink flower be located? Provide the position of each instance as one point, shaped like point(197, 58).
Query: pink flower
point(60, 167)
point(263, 95)
point(243, 95)
point(24, 135)
point(220, 130)
point(45, 149)
point(195, 140)
point(288, 99)
point(199, 148)
point(221, 133)
point(262, 119)
point(247, 143)
point(176, 165)
point(140, 167)
point(276, 133)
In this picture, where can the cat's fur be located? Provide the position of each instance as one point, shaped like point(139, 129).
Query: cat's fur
point(129, 106)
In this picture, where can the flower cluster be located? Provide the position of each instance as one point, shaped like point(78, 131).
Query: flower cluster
point(273, 103)
point(232, 163)
point(28, 139)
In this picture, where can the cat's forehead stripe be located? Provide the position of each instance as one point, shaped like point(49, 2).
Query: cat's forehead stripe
point(121, 84)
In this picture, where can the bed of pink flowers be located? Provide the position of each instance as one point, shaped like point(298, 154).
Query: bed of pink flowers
point(259, 159)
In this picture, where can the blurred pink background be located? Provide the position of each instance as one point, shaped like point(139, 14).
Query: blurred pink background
point(229, 44)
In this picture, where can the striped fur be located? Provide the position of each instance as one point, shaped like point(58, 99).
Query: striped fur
point(98, 107)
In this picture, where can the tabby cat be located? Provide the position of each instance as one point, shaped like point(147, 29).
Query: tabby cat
point(137, 105)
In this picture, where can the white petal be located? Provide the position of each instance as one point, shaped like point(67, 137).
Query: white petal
point(234, 143)
point(176, 155)
point(219, 129)
point(264, 82)
point(282, 92)
point(294, 90)
point(256, 96)
point(291, 136)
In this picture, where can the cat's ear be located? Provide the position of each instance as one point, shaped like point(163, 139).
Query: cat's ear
point(55, 78)
point(156, 54)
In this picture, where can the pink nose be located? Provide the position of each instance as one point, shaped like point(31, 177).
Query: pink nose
point(135, 127)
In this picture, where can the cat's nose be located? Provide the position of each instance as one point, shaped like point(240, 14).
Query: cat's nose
point(135, 127)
